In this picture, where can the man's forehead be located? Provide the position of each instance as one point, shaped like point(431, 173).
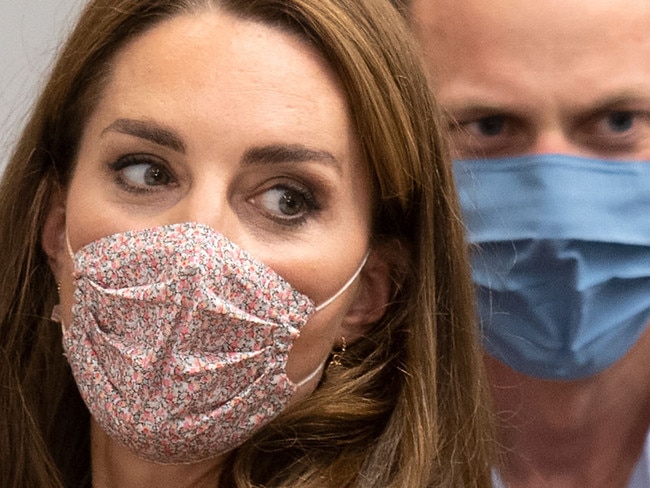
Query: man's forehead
point(577, 13)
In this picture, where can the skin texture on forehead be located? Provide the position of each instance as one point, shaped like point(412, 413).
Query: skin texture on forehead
point(553, 64)
point(467, 38)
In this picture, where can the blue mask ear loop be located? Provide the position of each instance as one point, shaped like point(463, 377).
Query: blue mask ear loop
point(346, 286)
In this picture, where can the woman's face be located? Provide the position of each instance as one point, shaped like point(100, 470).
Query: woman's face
point(233, 124)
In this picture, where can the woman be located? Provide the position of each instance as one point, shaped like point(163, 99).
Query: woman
point(227, 190)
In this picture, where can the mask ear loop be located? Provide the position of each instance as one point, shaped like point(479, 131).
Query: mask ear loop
point(56, 316)
point(346, 286)
point(311, 375)
point(325, 304)
point(69, 246)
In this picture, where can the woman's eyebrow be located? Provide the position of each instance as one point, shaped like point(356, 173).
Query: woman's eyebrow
point(148, 131)
point(287, 153)
point(266, 154)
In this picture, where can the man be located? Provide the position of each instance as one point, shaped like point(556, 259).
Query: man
point(549, 105)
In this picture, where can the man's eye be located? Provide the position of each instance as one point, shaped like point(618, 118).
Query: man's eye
point(490, 135)
point(615, 133)
point(487, 126)
point(620, 121)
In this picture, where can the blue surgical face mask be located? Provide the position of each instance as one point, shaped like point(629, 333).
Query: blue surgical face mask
point(561, 259)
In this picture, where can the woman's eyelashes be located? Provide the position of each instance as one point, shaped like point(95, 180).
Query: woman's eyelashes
point(287, 203)
point(142, 173)
point(285, 200)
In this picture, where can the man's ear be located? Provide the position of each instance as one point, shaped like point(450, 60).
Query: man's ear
point(375, 291)
point(53, 236)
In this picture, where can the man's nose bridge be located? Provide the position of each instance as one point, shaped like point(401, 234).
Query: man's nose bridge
point(554, 141)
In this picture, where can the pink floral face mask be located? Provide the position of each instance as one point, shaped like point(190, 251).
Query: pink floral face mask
point(179, 340)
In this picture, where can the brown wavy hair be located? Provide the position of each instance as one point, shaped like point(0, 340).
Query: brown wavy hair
point(408, 407)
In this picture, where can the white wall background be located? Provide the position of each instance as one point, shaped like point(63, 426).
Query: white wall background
point(30, 33)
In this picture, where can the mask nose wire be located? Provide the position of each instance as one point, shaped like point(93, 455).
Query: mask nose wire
point(318, 308)
point(346, 285)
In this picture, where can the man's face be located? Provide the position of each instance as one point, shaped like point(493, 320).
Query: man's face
point(530, 76)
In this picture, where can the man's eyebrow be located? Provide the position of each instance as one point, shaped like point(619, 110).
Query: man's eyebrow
point(148, 131)
point(619, 99)
point(477, 108)
point(287, 153)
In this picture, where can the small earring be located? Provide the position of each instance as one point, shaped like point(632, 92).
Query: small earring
point(337, 355)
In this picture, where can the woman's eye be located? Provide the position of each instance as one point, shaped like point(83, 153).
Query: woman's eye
point(141, 172)
point(146, 175)
point(286, 204)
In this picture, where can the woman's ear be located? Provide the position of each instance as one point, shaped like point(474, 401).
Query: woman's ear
point(375, 291)
point(53, 236)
